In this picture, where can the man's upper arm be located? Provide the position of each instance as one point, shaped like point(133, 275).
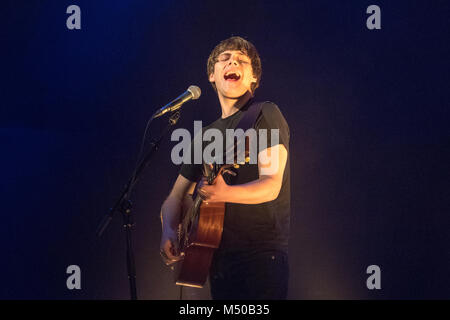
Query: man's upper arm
point(272, 162)
point(181, 187)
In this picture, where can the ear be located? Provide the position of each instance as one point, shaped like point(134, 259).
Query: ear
point(211, 77)
point(254, 79)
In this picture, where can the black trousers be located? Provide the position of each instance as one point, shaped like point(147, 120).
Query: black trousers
point(249, 275)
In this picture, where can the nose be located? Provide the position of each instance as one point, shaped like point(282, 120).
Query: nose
point(234, 60)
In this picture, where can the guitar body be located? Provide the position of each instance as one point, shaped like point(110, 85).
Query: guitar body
point(202, 236)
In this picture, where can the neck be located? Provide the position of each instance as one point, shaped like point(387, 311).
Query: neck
point(232, 105)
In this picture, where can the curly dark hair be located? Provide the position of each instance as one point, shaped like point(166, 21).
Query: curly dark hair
point(236, 43)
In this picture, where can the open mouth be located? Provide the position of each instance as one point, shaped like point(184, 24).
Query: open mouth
point(232, 76)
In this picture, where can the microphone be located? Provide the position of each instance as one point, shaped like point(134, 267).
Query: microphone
point(193, 92)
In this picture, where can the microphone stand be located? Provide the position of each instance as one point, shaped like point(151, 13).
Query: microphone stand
point(124, 205)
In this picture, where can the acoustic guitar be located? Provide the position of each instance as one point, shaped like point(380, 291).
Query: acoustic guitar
point(199, 235)
point(200, 230)
point(201, 226)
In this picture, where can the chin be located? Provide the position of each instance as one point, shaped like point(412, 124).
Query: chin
point(234, 94)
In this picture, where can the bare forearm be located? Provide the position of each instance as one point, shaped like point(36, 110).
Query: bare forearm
point(258, 191)
point(170, 213)
point(264, 189)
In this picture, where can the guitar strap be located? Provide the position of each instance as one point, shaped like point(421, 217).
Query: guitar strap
point(248, 120)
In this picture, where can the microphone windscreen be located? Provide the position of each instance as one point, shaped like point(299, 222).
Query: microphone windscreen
point(196, 92)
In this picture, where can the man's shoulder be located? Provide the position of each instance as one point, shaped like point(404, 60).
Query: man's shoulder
point(272, 114)
point(212, 125)
point(270, 108)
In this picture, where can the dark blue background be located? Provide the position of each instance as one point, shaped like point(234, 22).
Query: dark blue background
point(368, 113)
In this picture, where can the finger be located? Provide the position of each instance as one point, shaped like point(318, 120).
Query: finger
point(229, 172)
point(203, 195)
point(165, 258)
point(169, 260)
point(165, 253)
point(203, 182)
point(172, 248)
point(175, 248)
point(170, 252)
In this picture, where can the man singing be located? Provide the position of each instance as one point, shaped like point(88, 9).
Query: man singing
point(252, 259)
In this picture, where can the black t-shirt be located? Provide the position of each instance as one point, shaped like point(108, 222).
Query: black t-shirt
point(253, 226)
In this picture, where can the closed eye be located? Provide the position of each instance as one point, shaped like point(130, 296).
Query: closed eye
point(224, 57)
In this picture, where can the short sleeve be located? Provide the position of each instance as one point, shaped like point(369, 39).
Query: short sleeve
point(272, 118)
point(192, 172)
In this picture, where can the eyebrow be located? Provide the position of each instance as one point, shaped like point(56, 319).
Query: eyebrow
point(229, 53)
